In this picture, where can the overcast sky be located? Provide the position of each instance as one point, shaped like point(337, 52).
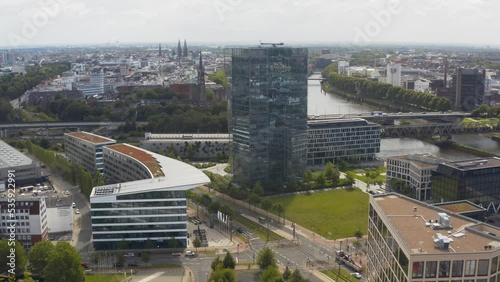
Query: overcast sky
point(48, 22)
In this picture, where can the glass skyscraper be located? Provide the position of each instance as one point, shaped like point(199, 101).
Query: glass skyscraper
point(269, 114)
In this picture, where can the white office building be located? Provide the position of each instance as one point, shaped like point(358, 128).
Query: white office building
point(147, 207)
point(394, 74)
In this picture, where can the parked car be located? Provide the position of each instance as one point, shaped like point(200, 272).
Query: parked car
point(119, 264)
point(73, 205)
point(129, 255)
point(356, 275)
point(190, 254)
point(77, 211)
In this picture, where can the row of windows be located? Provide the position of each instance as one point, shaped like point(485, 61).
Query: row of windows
point(139, 227)
point(139, 212)
point(138, 219)
point(163, 234)
point(138, 204)
point(22, 223)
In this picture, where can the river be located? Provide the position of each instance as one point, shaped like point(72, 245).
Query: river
point(320, 103)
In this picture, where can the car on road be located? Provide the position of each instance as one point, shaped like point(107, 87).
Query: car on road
point(77, 211)
point(52, 238)
point(356, 275)
point(190, 254)
point(423, 113)
point(240, 230)
point(133, 263)
point(119, 264)
point(73, 205)
point(176, 254)
point(129, 255)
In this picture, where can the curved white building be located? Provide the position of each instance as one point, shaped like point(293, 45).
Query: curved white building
point(147, 205)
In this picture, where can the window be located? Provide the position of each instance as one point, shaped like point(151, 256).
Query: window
point(482, 267)
point(494, 263)
point(418, 269)
point(470, 268)
point(456, 271)
point(430, 269)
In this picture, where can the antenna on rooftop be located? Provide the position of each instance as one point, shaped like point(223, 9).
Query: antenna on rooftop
point(272, 44)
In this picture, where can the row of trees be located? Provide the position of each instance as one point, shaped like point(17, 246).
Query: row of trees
point(68, 170)
point(397, 96)
point(55, 263)
point(223, 269)
point(486, 111)
point(12, 86)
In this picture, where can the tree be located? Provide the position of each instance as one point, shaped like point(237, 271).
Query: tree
point(217, 263)
point(258, 189)
point(296, 277)
point(349, 179)
point(308, 177)
point(286, 273)
point(224, 275)
point(64, 265)
point(229, 261)
point(271, 274)
point(267, 205)
point(173, 243)
point(329, 171)
point(320, 180)
point(253, 200)
point(280, 209)
point(196, 243)
point(266, 258)
point(358, 234)
point(39, 257)
point(146, 256)
point(206, 200)
point(17, 268)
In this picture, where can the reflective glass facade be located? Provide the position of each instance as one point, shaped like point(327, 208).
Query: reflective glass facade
point(157, 216)
point(479, 184)
point(269, 114)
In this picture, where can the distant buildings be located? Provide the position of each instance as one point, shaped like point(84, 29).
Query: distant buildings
point(468, 88)
point(26, 171)
point(86, 149)
point(394, 74)
point(269, 114)
point(94, 87)
point(409, 241)
point(146, 208)
point(341, 139)
point(474, 180)
point(342, 67)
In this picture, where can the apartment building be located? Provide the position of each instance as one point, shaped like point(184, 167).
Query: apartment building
point(85, 149)
point(410, 241)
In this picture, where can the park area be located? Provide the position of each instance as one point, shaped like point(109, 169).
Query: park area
point(333, 214)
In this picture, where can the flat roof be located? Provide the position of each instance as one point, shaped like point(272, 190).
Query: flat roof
point(10, 157)
point(413, 227)
point(178, 176)
point(90, 137)
point(147, 158)
point(339, 122)
point(187, 137)
point(472, 164)
point(422, 160)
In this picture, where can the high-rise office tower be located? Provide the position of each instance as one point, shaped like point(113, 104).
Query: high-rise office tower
point(269, 114)
point(467, 88)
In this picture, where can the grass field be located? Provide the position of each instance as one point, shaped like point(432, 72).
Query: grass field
point(103, 278)
point(332, 214)
point(375, 174)
point(343, 277)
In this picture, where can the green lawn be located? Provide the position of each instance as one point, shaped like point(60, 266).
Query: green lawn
point(104, 278)
point(344, 276)
point(375, 174)
point(339, 212)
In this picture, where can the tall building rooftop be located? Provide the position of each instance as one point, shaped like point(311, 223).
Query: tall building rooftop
point(90, 137)
point(10, 157)
point(145, 157)
point(419, 225)
point(475, 164)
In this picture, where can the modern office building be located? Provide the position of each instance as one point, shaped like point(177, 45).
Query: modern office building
point(476, 180)
point(409, 241)
point(394, 74)
point(414, 171)
point(269, 114)
point(30, 218)
point(331, 140)
point(147, 205)
point(85, 149)
point(26, 171)
point(467, 87)
point(95, 87)
point(59, 213)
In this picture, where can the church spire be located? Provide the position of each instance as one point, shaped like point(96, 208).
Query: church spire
point(201, 79)
point(185, 50)
point(179, 51)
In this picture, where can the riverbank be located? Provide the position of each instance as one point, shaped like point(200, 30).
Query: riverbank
point(464, 148)
point(379, 104)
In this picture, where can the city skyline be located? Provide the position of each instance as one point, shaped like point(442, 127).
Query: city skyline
point(69, 22)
